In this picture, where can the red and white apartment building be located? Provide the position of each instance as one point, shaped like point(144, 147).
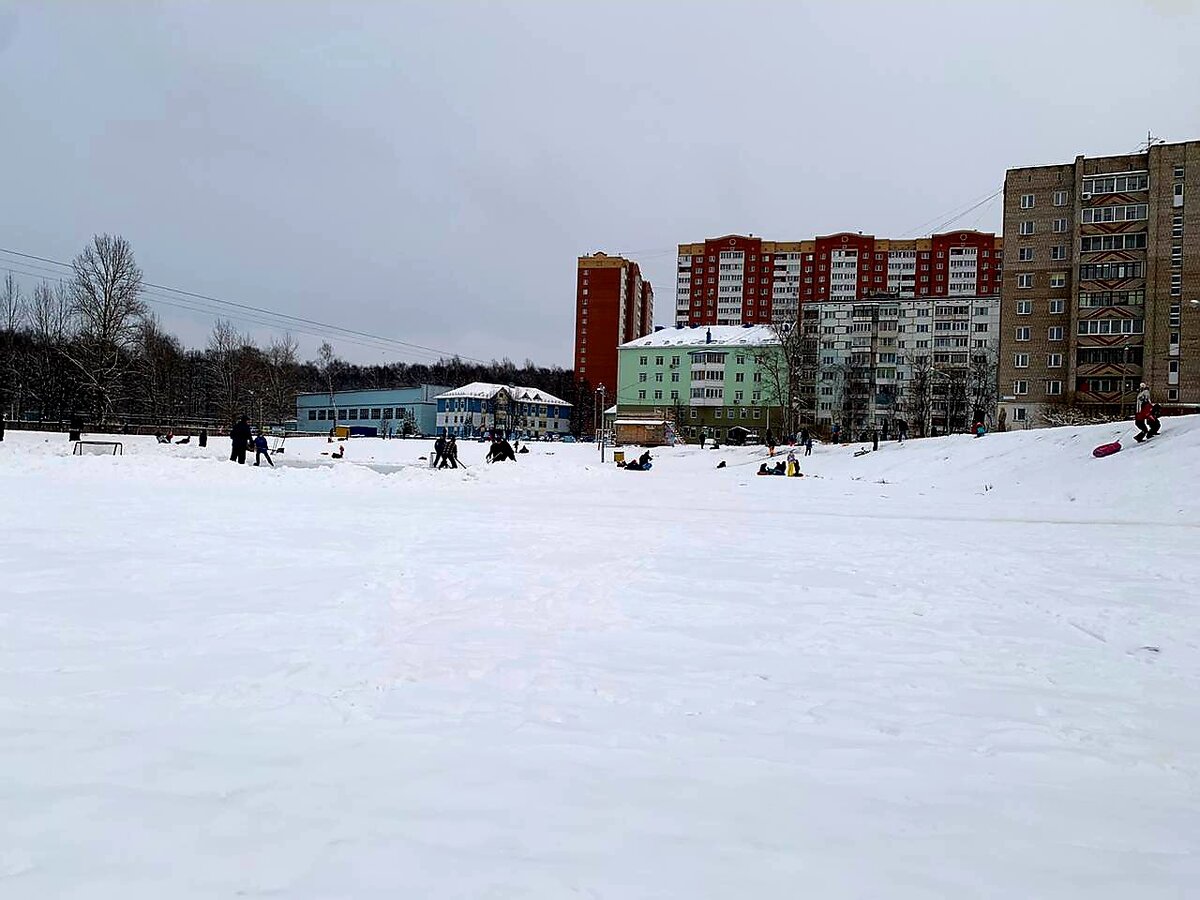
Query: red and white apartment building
point(613, 304)
point(745, 280)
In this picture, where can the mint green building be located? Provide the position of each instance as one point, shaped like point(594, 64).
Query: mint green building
point(705, 379)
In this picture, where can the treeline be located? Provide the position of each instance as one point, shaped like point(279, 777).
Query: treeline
point(89, 345)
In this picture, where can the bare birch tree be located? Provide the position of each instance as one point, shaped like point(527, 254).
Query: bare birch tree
point(106, 307)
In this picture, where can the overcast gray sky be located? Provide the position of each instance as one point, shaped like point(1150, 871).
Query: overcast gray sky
point(430, 172)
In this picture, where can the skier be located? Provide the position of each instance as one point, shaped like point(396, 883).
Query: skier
point(1145, 412)
point(260, 450)
point(239, 438)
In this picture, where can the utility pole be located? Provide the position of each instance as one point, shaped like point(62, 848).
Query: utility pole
point(600, 433)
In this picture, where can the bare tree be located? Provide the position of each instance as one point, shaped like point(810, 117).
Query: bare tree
point(106, 307)
point(918, 393)
point(279, 380)
point(782, 366)
point(228, 360)
point(330, 367)
point(12, 320)
point(982, 377)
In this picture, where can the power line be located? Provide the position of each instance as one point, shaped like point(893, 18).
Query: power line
point(341, 332)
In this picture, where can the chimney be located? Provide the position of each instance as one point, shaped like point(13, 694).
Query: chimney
point(708, 336)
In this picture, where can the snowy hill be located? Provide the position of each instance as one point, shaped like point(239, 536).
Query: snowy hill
point(952, 668)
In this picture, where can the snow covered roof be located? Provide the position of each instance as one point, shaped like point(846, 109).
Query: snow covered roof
point(697, 336)
point(482, 390)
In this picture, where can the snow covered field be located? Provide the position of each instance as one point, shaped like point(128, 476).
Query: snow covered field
point(952, 669)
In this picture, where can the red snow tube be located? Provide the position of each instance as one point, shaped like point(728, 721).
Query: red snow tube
point(1106, 450)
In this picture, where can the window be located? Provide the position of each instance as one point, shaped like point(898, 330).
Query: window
point(1060, 198)
point(674, 395)
point(1054, 333)
point(1021, 360)
point(322, 415)
point(1172, 393)
point(641, 376)
point(1054, 361)
point(658, 376)
point(1025, 254)
point(1128, 213)
point(1179, 173)
point(1020, 387)
point(642, 360)
point(1018, 414)
point(1026, 228)
point(675, 376)
point(1176, 284)
point(739, 376)
point(1178, 198)
point(1025, 280)
point(1024, 307)
point(1177, 225)
point(1116, 184)
point(737, 396)
point(352, 414)
point(641, 395)
point(375, 413)
point(1058, 279)
point(1110, 326)
point(1054, 388)
point(1027, 201)
point(1023, 333)
point(718, 413)
point(981, 326)
point(1058, 306)
point(390, 413)
point(1116, 271)
point(312, 415)
point(1060, 225)
point(658, 395)
point(1095, 242)
point(1059, 252)
point(362, 414)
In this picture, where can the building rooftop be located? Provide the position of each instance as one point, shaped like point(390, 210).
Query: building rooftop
point(698, 336)
point(482, 390)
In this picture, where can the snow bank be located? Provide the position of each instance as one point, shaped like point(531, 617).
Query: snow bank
point(956, 668)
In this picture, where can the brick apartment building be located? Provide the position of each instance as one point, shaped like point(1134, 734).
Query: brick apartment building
point(736, 280)
point(1102, 285)
point(613, 305)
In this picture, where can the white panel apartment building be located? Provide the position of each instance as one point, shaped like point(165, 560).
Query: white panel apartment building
point(867, 350)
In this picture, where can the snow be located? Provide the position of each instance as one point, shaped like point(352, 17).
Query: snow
point(696, 336)
point(922, 673)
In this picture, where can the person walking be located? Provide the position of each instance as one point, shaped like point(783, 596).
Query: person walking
point(439, 453)
point(260, 450)
point(770, 442)
point(901, 431)
point(808, 444)
point(239, 438)
point(836, 430)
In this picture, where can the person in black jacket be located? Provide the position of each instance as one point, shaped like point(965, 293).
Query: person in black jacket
point(239, 437)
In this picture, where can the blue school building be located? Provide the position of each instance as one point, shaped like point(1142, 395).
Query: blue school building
point(404, 410)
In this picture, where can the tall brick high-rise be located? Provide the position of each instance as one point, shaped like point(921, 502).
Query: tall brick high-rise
point(613, 304)
point(1102, 287)
point(736, 280)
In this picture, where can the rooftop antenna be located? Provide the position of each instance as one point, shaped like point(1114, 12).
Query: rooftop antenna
point(1151, 141)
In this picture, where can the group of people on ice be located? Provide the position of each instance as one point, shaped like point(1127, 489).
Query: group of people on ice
point(445, 453)
point(789, 468)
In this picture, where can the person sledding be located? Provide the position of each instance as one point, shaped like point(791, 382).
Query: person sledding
point(1147, 423)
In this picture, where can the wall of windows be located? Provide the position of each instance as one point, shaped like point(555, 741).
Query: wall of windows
point(1110, 326)
point(1116, 184)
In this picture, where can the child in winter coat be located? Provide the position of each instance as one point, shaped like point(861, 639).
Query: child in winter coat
point(260, 450)
point(1145, 413)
